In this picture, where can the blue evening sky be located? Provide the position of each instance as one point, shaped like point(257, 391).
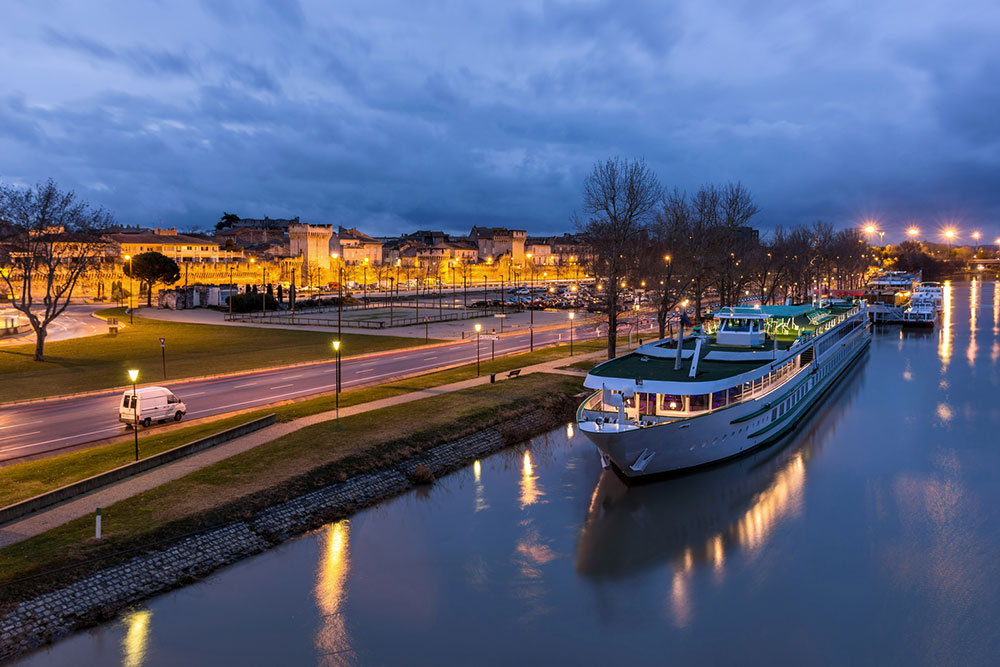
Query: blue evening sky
point(397, 115)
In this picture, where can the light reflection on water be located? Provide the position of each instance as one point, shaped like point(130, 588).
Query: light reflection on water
point(872, 532)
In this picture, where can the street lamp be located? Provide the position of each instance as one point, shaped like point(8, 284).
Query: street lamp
point(571, 315)
point(912, 232)
point(976, 235)
point(128, 258)
point(230, 292)
point(133, 375)
point(531, 311)
point(479, 328)
point(263, 293)
point(336, 348)
point(364, 268)
point(950, 235)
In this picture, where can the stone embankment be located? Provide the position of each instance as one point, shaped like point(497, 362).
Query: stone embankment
point(100, 596)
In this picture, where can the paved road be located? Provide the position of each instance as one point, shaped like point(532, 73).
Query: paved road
point(39, 428)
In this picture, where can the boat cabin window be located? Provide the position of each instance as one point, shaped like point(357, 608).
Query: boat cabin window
point(735, 393)
point(671, 403)
point(647, 403)
point(718, 400)
point(698, 402)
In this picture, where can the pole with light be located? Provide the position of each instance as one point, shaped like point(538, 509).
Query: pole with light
point(230, 292)
point(133, 375)
point(263, 292)
point(571, 315)
point(364, 268)
point(479, 328)
point(128, 258)
point(950, 235)
point(336, 348)
point(531, 311)
point(976, 236)
point(340, 291)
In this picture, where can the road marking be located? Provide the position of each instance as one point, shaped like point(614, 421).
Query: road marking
point(290, 377)
point(37, 421)
point(19, 435)
point(197, 393)
point(365, 370)
point(68, 437)
point(281, 386)
point(262, 400)
point(429, 358)
point(332, 370)
point(248, 384)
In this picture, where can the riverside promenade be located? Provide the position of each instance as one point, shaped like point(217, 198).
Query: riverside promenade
point(87, 504)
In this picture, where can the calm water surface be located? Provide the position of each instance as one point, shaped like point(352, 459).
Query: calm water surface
point(872, 536)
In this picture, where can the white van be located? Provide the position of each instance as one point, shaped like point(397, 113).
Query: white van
point(153, 404)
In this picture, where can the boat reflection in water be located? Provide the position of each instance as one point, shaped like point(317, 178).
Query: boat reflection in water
point(700, 519)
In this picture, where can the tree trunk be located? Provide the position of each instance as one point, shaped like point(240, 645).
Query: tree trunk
point(39, 344)
point(149, 295)
point(612, 332)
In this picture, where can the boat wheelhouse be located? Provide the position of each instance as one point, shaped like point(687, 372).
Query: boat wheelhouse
point(743, 381)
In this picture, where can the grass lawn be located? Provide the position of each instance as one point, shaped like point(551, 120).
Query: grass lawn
point(99, 362)
point(286, 467)
point(20, 481)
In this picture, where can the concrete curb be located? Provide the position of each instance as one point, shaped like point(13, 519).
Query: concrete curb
point(62, 494)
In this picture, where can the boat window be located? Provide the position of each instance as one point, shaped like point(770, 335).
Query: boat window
point(672, 402)
point(718, 400)
point(735, 393)
point(647, 403)
point(698, 402)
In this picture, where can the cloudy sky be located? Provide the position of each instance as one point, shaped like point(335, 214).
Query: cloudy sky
point(395, 115)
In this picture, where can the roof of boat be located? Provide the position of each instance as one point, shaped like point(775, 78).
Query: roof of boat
point(637, 365)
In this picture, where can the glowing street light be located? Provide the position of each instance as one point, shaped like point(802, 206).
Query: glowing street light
point(133, 376)
point(912, 232)
point(479, 328)
point(128, 258)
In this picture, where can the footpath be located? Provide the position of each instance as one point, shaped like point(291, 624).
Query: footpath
point(84, 505)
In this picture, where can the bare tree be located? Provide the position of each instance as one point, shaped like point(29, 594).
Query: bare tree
point(619, 199)
point(47, 238)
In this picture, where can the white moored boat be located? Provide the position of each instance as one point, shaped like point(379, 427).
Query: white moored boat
point(922, 311)
point(930, 291)
point(660, 409)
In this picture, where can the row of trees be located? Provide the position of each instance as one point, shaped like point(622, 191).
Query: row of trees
point(700, 248)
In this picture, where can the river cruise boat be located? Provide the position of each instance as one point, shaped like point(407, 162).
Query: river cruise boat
point(922, 311)
point(930, 290)
point(888, 295)
point(745, 381)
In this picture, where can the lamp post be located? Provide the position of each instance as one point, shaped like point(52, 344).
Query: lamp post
point(479, 328)
point(531, 311)
point(128, 258)
point(364, 269)
point(230, 292)
point(976, 236)
point(336, 348)
point(133, 375)
point(571, 315)
point(340, 295)
point(263, 293)
point(950, 235)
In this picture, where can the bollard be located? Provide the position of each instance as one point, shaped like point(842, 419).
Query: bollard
point(97, 534)
point(493, 378)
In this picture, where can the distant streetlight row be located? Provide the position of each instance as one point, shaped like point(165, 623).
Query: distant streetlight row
point(949, 233)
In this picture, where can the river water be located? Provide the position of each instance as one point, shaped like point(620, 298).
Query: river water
point(872, 536)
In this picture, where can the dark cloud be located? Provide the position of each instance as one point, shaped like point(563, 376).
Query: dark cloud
point(393, 115)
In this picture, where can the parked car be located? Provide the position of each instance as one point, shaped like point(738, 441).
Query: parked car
point(150, 404)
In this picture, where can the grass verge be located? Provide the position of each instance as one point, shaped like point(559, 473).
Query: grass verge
point(99, 362)
point(287, 467)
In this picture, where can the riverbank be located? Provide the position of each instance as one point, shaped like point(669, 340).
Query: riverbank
point(64, 580)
